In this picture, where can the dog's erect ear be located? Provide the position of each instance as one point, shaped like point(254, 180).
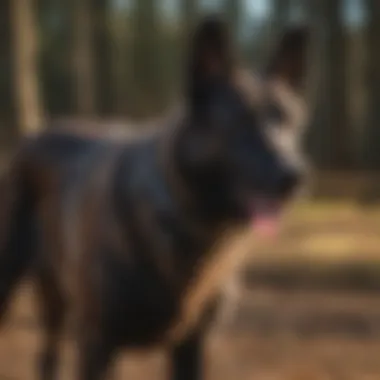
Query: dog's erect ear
point(288, 62)
point(210, 56)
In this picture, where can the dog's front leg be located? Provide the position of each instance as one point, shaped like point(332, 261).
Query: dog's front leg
point(187, 358)
point(95, 355)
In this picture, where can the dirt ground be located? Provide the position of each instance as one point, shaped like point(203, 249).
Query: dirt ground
point(297, 335)
point(319, 328)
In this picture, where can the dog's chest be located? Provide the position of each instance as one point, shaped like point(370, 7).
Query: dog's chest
point(224, 258)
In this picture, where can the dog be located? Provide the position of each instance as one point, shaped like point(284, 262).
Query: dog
point(135, 237)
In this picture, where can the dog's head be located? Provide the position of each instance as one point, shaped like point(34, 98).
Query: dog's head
point(227, 153)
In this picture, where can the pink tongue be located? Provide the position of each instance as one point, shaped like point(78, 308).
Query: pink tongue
point(266, 226)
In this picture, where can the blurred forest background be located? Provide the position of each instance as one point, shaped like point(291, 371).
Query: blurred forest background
point(121, 59)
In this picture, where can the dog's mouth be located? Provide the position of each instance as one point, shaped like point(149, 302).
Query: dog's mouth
point(266, 216)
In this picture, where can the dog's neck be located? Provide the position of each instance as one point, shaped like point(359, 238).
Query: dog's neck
point(188, 200)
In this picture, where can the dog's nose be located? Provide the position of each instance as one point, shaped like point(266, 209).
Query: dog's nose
point(288, 182)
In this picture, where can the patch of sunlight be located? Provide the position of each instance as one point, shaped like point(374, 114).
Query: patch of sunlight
point(325, 210)
point(372, 212)
point(339, 246)
point(370, 245)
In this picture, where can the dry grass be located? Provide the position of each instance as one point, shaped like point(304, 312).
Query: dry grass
point(323, 245)
point(323, 232)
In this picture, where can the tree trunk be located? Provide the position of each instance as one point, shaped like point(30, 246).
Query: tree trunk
point(372, 138)
point(340, 153)
point(6, 101)
point(332, 132)
point(83, 71)
point(370, 143)
point(234, 12)
point(25, 60)
point(103, 55)
point(317, 131)
point(119, 45)
point(147, 59)
point(189, 13)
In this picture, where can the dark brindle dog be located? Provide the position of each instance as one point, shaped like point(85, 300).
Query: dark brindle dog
point(138, 235)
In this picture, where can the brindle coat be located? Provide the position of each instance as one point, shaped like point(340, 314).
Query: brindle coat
point(136, 236)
